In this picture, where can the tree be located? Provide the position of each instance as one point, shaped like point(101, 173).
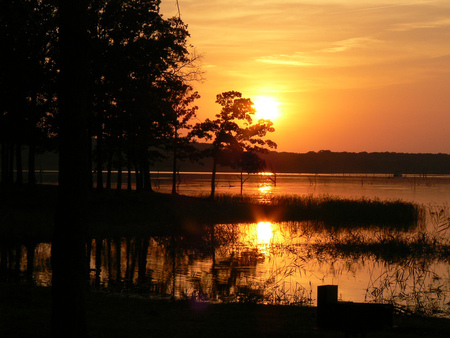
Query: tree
point(138, 55)
point(69, 263)
point(27, 73)
point(250, 163)
point(180, 114)
point(233, 133)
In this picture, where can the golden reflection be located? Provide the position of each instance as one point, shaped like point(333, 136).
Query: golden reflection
point(265, 232)
point(265, 173)
point(265, 189)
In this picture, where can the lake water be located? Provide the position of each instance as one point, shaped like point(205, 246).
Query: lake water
point(278, 263)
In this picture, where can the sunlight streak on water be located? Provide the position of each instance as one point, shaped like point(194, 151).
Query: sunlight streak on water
point(265, 232)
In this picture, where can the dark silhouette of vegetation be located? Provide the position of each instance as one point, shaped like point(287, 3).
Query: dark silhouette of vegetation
point(137, 69)
point(326, 161)
point(27, 83)
point(117, 66)
point(249, 163)
point(233, 133)
point(180, 114)
point(137, 62)
point(69, 264)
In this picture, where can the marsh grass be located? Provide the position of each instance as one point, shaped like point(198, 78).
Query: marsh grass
point(333, 210)
point(30, 213)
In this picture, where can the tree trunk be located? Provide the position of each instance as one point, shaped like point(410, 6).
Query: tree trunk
point(10, 171)
point(129, 183)
point(174, 172)
point(19, 168)
point(242, 182)
point(146, 179)
point(213, 178)
point(91, 179)
point(137, 172)
point(31, 164)
point(99, 162)
point(68, 257)
point(4, 160)
point(109, 170)
point(119, 172)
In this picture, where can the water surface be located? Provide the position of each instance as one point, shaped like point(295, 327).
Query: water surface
point(277, 263)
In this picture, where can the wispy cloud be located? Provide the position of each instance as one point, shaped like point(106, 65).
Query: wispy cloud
point(386, 6)
point(344, 45)
point(297, 59)
point(404, 27)
point(318, 57)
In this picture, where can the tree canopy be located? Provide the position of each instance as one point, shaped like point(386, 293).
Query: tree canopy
point(233, 132)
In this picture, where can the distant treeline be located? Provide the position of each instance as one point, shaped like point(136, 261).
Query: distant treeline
point(323, 161)
point(326, 161)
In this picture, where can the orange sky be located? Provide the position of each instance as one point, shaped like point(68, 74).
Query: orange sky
point(349, 75)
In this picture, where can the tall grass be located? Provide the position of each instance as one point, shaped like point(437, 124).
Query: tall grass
point(333, 210)
point(136, 214)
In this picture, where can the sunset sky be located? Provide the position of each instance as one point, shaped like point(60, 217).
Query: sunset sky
point(344, 75)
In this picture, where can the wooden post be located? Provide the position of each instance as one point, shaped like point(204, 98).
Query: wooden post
point(326, 295)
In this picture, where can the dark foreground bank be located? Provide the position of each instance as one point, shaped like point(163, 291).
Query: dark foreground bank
point(25, 312)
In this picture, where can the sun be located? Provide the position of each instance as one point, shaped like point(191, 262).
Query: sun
point(266, 108)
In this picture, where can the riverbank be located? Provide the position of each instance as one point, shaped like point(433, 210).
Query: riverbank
point(29, 214)
point(26, 312)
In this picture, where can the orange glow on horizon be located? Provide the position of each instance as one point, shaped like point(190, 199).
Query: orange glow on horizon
point(370, 86)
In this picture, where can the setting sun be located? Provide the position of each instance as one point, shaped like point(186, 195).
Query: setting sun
point(328, 88)
point(266, 108)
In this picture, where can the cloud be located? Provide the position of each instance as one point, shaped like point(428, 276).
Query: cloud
point(344, 45)
point(298, 59)
point(318, 57)
point(404, 27)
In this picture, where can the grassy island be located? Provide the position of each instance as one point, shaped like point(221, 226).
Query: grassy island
point(30, 213)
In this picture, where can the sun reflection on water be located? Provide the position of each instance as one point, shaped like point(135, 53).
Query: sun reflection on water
point(265, 189)
point(265, 192)
point(265, 232)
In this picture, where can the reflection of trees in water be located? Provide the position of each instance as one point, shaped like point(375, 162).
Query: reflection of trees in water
point(225, 263)
point(17, 261)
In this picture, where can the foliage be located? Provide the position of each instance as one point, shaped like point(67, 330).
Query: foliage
point(27, 80)
point(233, 133)
point(138, 60)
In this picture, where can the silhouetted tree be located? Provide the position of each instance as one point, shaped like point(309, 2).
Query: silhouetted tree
point(137, 55)
point(68, 246)
point(27, 73)
point(249, 163)
point(233, 133)
point(180, 113)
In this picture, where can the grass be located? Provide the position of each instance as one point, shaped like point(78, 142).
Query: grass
point(29, 214)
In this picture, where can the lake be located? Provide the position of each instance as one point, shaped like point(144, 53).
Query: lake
point(276, 263)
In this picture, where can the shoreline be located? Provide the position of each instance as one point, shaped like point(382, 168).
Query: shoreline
point(26, 312)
